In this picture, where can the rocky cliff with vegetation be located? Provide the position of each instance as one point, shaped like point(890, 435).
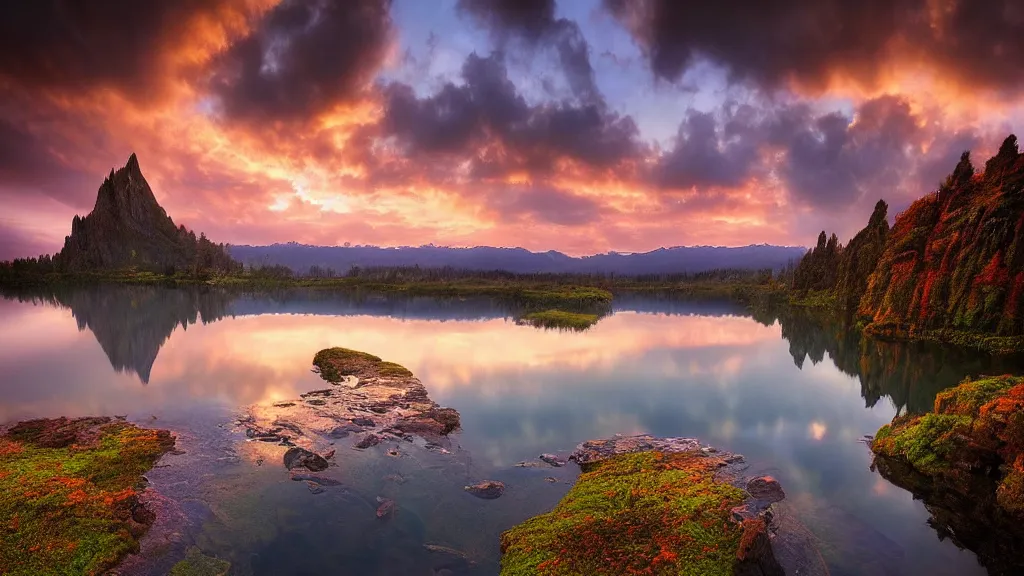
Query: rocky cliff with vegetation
point(951, 268)
point(127, 228)
point(965, 459)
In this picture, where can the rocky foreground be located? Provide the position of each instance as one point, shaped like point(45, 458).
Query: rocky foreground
point(966, 461)
point(70, 493)
point(646, 505)
point(369, 402)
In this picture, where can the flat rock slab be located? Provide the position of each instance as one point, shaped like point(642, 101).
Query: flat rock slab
point(593, 451)
point(488, 489)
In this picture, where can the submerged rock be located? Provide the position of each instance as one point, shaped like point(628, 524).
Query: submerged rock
point(369, 441)
point(297, 457)
point(321, 480)
point(488, 489)
point(552, 460)
point(198, 564)
point(449, 560)
point(663, 505)
point(344, 430)
point(386, 507)
point(593, 451)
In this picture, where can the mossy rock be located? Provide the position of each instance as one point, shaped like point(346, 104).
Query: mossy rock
point(69, 494)
point(198, 564)
point(642, 513)
point(334, 364)
point(976, 429)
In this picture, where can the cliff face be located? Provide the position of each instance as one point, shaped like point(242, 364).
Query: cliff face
point(860, 257)
point(127, 227)
point(955, 258)
point(842, 271)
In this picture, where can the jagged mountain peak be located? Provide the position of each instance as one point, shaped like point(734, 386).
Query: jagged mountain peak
point(128, 227)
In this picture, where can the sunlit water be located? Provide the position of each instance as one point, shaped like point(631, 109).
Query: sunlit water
point(189, 361)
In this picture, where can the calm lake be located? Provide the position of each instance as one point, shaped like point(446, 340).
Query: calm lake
point(793, 394)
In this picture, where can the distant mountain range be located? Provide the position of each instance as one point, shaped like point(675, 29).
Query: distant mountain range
point(684, 259)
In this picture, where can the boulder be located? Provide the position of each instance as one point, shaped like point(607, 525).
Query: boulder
point(297, 457)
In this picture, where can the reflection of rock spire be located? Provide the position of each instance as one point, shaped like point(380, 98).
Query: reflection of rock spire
point(131, 323)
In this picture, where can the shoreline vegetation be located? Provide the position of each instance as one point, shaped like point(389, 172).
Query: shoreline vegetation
point(965, 459)
point(69, 493)
point(574, 302)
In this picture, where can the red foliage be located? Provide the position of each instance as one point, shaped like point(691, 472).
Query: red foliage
point(1015, 295)
point(926, 294)
point(995, 273)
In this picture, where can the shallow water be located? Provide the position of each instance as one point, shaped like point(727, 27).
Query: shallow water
point(792, 394)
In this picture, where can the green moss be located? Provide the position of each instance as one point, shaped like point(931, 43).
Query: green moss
point(929, 443)
point(975, 437)
point(392, 370)
point(561, 319)
point(647, 513)
point(334, 364)
point(198, 564)
point(66, 503)
point(815, 299)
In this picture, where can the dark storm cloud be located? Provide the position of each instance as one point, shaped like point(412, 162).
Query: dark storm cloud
point(824, 160)
point(486, 110)
point(304, 57)
point(772, 41)
point(831, 161)
point(26, 161)
point(705, 157)
point(68, 44)
point(528, 18)
point(534, 22)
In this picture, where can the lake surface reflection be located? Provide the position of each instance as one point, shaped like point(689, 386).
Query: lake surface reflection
point(791, 392)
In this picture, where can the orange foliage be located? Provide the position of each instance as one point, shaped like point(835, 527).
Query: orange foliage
point(77, 497)
point(994, 274)
point(926, 293)
point(9, 448)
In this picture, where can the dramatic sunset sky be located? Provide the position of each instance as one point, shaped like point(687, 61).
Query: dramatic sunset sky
point(577, 125)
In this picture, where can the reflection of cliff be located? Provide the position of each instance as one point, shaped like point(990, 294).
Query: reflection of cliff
point(131, 323)
point(910, 374)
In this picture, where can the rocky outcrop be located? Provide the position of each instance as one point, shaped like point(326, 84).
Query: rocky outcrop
point(369, 402)
point(128, 227)
point(955, 258)
point(859, 259)
point(651, 505)
point(966, 461)
point(950, 269)
point(70, 497)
